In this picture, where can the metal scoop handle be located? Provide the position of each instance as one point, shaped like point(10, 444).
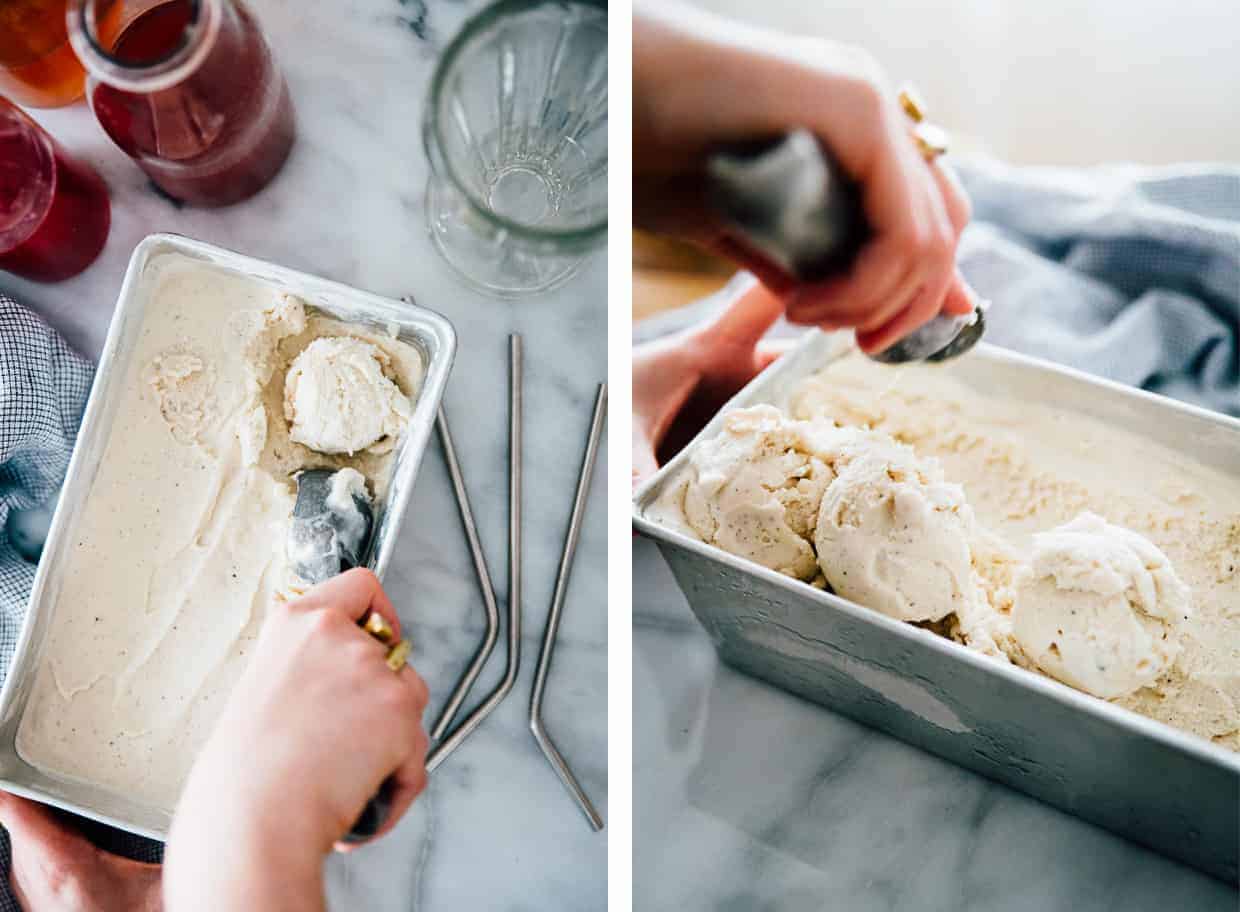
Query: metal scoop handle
point(791, 201)
point(321, 545)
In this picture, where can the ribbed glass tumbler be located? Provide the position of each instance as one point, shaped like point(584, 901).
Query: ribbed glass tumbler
point(516, 132)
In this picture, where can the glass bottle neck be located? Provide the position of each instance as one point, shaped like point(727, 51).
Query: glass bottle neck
point(177, 36)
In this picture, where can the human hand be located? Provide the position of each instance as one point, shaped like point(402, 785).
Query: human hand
point(316, 724)
point(681, 381)
point(700, 83)
point(56, 867)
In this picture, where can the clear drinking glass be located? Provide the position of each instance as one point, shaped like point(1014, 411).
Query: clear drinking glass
point(516, 132)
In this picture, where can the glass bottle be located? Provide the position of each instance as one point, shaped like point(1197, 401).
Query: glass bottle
point(37, 66)
point(188, 89)
point(54, 210)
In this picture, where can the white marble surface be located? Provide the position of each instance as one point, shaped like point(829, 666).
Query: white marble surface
point(495, 830)
point(748, 798)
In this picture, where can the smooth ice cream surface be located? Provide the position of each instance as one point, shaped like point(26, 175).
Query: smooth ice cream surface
point(893, 535)
point(179, 548)
point(1099, 607)
point(339, 397)
point(1170, 536)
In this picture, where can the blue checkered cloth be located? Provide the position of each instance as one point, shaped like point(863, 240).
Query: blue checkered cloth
point(43, 390)
point(1131, 273)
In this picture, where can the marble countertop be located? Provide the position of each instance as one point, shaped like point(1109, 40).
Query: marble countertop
point(495, 830)
point(748, 798)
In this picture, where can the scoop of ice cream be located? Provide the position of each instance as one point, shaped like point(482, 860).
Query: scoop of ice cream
point(893, 535)
point(754, 489)
point(340, 398)
point(1098, 607)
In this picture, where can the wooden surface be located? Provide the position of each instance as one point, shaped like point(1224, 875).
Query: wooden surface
point(656, 290)
point(667, 275)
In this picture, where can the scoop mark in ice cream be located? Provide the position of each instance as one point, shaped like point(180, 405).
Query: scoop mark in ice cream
point(184, 385)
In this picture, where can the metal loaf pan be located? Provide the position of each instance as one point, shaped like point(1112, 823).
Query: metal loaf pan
point(1174, 792)
point(428, 331)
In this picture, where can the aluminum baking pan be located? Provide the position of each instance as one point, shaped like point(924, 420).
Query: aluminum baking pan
point(1174, 792)
point(428, 331)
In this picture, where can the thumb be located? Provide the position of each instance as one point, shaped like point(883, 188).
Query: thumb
point(770, 351)
point(644, 462)
point(748, 316)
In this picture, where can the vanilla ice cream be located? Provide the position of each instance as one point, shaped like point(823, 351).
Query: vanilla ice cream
point(755, 489)
point(340, 397)
point(962, 508)
point(893, 535)
point(1099, 607)
point(1028, 468)
point(180, 546)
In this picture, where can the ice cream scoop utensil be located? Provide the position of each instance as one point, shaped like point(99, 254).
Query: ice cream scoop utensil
point(331, 524)
point(553, 755)
point(791, 201)
point(330, 532)
point(444, 748)
point(491, 609)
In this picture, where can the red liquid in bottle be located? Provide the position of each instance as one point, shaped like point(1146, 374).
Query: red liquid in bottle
point(54, 211)
point(219, 135)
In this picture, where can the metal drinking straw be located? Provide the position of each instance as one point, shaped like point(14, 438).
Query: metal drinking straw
point(444, 748)
point(553, 755)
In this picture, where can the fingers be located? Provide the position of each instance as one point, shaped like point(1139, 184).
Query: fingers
point(912, 250)
point(353, 593)
point(925, 305)
point(35, 824)
point(665, 374)
point(959, 209)
point(888, 262)
point(961, 298)
point(747, 318)
point(50, 861)
point(644, 462)
point(408, 782)
point(409, 778)
point(770, 351)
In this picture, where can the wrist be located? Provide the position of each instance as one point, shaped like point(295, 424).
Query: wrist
point(216, 861)
point(236, 834)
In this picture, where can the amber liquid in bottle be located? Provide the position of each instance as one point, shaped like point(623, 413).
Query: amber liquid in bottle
point(37, 65)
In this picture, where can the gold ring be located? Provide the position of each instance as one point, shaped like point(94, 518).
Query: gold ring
point(378, 627)
point(931, 140)
point(398, 654)
point(912, 104)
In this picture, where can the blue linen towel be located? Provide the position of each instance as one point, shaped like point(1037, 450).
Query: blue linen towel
point(43, 389)
point(1131, 273)
point(1128, 272)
